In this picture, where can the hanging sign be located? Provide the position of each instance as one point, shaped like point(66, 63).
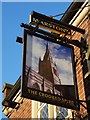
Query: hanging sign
point(48, 71)
point(49, 23)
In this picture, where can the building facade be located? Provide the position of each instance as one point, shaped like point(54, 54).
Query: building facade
point(81, 19)
point(78, 14)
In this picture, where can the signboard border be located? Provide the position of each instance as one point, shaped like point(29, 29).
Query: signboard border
point(25, 90)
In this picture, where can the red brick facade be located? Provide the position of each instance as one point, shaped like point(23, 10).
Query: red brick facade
point(24, 111)
point(79, 68)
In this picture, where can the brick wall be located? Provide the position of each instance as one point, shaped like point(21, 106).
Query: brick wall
point(24, 111)
point(79, 72)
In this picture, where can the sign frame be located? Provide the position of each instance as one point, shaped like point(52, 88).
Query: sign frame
point(47, 97)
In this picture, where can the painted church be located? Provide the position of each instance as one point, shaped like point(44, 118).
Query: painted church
point(47, 76)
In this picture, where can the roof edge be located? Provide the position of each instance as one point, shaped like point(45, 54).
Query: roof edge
point(71, 11)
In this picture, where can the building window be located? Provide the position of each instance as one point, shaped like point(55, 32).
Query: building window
point(63, 113)
point(44, 112)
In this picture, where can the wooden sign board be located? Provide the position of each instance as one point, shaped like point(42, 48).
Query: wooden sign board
point(49, 23)
point(48, 73)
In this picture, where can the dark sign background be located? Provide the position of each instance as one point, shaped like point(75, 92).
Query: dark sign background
point(48, 73)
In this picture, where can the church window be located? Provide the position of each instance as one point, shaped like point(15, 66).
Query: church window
point(36, 86)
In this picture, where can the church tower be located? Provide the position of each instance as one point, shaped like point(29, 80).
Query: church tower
point(48, 68)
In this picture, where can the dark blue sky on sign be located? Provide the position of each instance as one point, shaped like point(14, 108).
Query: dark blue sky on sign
point(13, 14)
